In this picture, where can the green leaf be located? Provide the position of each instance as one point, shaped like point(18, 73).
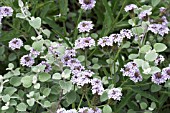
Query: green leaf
point(46, 32)
point(151, 56)
point(71, 97)
point(138, 30)
point(143, 105)
point(43, 77)
point(96, 66)
point(145, 48)
point(67, 86)
point(56, 76)
point(139, 62)
point(47, 104)
point(107, 109)
point(66, 73)
point(15, 81)
point(10, 90)
point(20, 15)
point(104, 97)
point(160, 47)
point(26, 81)
point(12, 57)
point(63, 5)
point(21, 107)
point(155, 88)
point(2, 50)
point(153, 106)
point(133, 56)
point(31, 101)
point(20, 3)
point(154, 70)
point(155, 2)
point(38, 45)
point(6, 98)
point(81, 58)
point(46, 91)
point(167, 84)
point(35, 22)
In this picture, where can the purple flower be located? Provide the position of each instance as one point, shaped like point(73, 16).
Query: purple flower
point(144, 14)
point(61, 110)
point(164, 21)
point(83, 43)
point(53, 49)
point(136, 76)
point(48, 67)
point(159, 60)
point(72, 111)
point(163, 30)
point(27, 60)
point(15, 43)
point(153, 28)
point(158, 29)
point(85, 26)
point(70, 52)
point(6, 11)
point(82, 78)
point(73, 62)
point(130, 7)
point(117, 38)
point(105, 41)
point(34, 53)
point(97, 86)
point(166, 72)
point(126, 33)
point(85, 110)
point(115, 93)
point(76, 68)
point(97, 110)
point(65, 59)
point(87, 4)
point(159, 78)
point(162, 9)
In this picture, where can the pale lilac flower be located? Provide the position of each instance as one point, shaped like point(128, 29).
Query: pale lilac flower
point(126, 33)
point(27, 60)
point(6, 11)
point(154, 28)
point(117, 38)
point(83, 43)
point(72, 111)
point(158, 29)
point(65, 59)
point(97, 86)
point(162, 9)
point(159, 60)
point(85, 26)
point(159, 78)
point(115, 93)
point(163, 30)
point(85, 110)
point(15, 43)
point(73, 62)
point(48, 67)
point(166, 72)
point(164, 21)
point(76, 68)
point(82, 78)
point(70, 52)
point(53, 49)
point(136, 76)
point(61, 110)
point(144, 14)
point(34, 53)
point(130, 7)
point(87, 4)
point(105, 41)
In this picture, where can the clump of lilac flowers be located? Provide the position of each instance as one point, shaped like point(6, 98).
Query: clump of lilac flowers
point(159, 60)
point(15, 43)
point(166, 72)
point(89, 110)
point(5, 11)
point(27, 60)
point(105, 41)
point(159, 78)
point(126, 33)
point(131, 70)
point(144, 14)
point(48, 67)
point(85, 26)
point(97, 86)
point(130, 7)
point(87, 4)
point(83, 43)
point(82, 78)
point(115, 94)
point(34, 53)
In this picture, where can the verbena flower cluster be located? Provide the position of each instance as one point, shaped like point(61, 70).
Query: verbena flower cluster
point(5, 11)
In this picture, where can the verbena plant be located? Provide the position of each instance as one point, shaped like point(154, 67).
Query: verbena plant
point(84, 56)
